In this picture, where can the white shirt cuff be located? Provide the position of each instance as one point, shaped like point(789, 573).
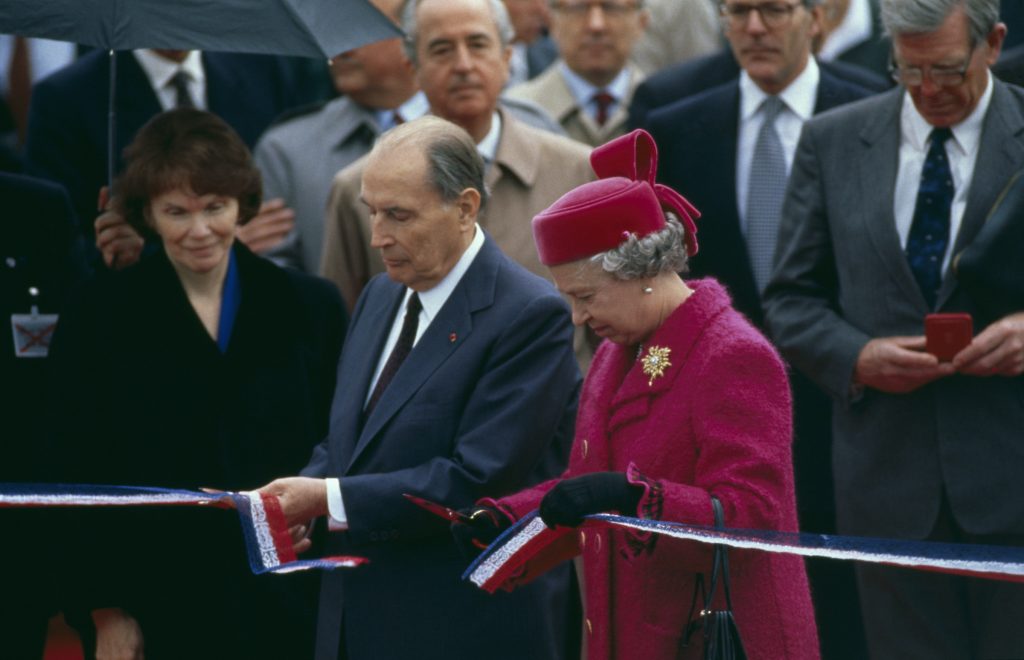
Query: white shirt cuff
point(337, 521)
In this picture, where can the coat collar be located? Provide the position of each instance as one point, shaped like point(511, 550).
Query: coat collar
point(677, 335)
point(517, 154)
point(476, 291)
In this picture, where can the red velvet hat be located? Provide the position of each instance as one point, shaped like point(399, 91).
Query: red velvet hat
point(600, 215)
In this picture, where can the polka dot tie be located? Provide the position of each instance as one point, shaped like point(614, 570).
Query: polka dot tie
point(929, 232)
point(765, 193)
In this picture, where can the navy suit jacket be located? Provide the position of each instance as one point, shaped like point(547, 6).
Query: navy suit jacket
point(697, 75)
point(697, 141)
point(483, 406)
point(66, 140)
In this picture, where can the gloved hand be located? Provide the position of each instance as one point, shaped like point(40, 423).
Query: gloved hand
point(597, 492)
point(485, 524)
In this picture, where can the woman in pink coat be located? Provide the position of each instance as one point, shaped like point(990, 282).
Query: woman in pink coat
point(684, 400)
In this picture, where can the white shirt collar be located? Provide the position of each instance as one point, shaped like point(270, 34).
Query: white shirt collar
point(488, 147)
point(434, 299)
point(160, 70)
point(854, 29)
point(583, 91)
point(415, 107)
point(799, 96)
point(966, 135)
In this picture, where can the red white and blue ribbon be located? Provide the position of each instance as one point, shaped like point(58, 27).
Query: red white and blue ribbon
point(529, 537)
point(267, 541)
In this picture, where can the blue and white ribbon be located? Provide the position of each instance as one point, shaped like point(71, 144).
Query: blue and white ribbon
point(530, 536)
point(267, 541)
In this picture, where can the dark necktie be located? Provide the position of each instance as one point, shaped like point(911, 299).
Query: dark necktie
point(765, 193)
point(183, 96)
point(402, 348)
point(604, 102)
point(929, 232)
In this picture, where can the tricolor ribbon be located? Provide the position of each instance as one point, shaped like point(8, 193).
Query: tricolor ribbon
point(267, 541)
point(526, 542)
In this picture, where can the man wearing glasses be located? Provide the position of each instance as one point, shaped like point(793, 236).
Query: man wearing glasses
point(589, 88)
point(883, 194)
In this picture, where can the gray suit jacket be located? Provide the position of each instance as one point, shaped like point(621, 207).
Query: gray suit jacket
point(842, 279)
point(298, 160)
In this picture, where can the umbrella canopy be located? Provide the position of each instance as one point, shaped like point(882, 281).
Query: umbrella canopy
point(309, 28)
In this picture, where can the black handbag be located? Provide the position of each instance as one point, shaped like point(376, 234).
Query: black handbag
point(721, 634)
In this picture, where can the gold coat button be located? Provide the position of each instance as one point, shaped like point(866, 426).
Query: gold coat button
point(597, 543)
point(583, 539)
point(590, 627)
point(586, 446)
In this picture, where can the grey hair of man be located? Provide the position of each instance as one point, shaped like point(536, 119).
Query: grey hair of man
point(502, 23)
point(922, 16)
point(643, 257)
point(639, 4)
point(453, 162)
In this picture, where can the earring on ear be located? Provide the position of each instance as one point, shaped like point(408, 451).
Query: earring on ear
point(647, 290)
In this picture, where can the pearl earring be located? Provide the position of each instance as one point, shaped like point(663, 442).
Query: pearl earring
point(647, 290)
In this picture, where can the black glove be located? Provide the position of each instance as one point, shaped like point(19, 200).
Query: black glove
point(597, 492)
point(485, 524)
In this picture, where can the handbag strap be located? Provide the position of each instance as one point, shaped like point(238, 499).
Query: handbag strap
point(720, 565)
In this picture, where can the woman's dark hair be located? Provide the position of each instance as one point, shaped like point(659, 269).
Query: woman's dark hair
point(189, 149)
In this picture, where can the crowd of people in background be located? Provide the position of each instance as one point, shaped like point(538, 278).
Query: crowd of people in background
point(332, 270)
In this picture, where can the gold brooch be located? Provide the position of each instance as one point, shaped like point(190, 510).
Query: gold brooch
point(655, 362)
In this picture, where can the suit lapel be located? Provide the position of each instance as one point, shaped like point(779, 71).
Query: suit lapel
point(357, 366)
point(1000, 154)
point(474, 291)
point(877, 167)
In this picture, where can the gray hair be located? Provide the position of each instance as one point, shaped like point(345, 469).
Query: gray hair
point(639, 258)
point(920, 16)
point(502, 23)
point(639, 3)
point(453, 162)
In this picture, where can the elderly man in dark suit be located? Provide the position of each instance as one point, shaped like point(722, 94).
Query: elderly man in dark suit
point(457, 380)
point(715, 150)
point(884, 193)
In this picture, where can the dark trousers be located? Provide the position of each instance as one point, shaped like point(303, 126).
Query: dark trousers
point(911, 614)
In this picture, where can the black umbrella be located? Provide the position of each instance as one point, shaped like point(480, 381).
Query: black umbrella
point(308, 28)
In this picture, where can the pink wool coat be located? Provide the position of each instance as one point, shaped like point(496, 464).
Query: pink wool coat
point(717, 421)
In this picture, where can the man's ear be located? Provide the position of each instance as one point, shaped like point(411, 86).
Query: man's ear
point(468, 204)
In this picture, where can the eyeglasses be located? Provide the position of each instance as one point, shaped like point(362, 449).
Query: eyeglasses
point(613, 10)
point(773, 14)
point(943, 76)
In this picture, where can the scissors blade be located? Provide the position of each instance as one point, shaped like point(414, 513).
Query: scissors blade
point(437, 509)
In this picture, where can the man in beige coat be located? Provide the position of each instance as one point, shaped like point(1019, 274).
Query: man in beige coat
point(589, 89)
point(460, 49)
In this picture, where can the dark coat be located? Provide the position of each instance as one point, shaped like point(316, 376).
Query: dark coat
point(697, 140)
point(38, 248)
point(145, 397)
point(694, 76)
point(484, 404)
point(67, 128)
